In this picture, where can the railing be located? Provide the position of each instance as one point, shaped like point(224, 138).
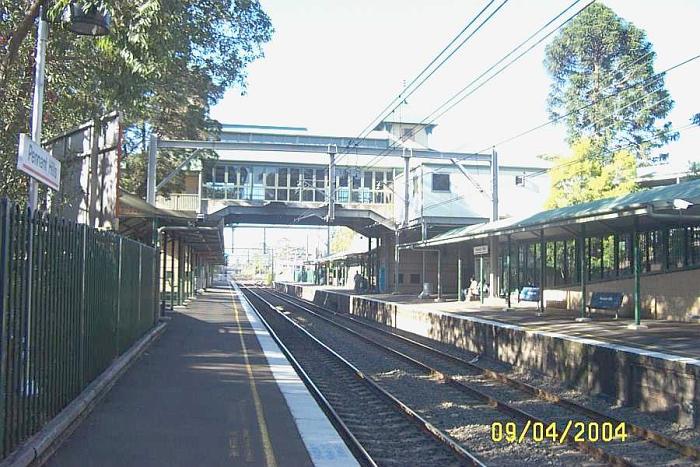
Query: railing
point(85, 298)
point(179, 202)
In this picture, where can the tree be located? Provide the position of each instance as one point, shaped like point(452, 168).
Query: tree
point(163, 65)
point(584, 176)
point(342, 239)
point(604, 66)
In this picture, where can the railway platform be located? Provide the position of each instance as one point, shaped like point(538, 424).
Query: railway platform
point(673, 340)
point(656, 368)
point(215, 389)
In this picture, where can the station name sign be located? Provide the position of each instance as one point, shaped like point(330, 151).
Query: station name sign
point(38, 163)
point(481, 250)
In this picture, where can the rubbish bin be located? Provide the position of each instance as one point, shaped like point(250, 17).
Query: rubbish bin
point(427, 290)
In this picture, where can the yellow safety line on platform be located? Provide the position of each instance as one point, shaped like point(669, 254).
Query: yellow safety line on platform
point(264, 435)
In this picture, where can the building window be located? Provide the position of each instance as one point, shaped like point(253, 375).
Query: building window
point(693, 245)
point(441, 182)
point(624, 255)
point(220, 174)
point(400, 278)
point(415, 278)
point(676, 248)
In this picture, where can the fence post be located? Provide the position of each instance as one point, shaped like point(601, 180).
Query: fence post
point(83, 308)
point(138, 315)
point(4, 303)
point(120, 260)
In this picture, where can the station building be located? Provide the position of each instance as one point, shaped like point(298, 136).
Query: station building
point(286, 176)
point(424, 211)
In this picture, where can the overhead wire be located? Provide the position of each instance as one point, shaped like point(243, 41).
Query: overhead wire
point(404, 95)
point(647, 81)
point(431, 118)
point(600, 156)
point(420, 79)
point(610, 151)
point(400, 97)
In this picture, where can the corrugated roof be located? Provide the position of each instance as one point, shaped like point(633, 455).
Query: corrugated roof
point(660, 197)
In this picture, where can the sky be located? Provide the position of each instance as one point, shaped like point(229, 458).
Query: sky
point(332, 66)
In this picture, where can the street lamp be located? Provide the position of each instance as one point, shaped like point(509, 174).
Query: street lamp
point(86, 22)
point(82, 21)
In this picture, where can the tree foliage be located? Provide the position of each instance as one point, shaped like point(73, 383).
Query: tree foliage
point(585, 176)
point(342, 239)
point(604, 65)
point(164, 63)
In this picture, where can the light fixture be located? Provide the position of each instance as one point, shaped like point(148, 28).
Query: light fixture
point(681, 203)
point(87, 21)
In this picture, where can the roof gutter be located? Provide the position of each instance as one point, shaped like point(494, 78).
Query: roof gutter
point(672, 217)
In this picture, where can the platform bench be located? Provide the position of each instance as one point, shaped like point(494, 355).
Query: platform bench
point(605, 301)
point(529, 294)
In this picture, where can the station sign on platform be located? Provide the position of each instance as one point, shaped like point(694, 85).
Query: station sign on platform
point(38, 163)
point(481, 250)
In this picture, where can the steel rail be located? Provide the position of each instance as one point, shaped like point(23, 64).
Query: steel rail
point(657, 438)
point(353, 443)
point(462, 454)
point(585, 447)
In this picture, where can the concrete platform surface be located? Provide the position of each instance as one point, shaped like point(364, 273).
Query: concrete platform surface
point(214, 390)
point(672, 339)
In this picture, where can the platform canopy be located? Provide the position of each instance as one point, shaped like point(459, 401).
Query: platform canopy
point(140, 220)
point(677, 204)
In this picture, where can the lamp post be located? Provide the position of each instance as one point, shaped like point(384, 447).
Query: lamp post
point(90, 22)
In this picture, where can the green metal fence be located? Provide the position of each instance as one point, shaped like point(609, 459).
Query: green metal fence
point(72, 299)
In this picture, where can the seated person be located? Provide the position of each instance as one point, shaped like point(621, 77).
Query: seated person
point(473, 288)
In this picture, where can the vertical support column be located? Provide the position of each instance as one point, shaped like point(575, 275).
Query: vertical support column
point(494, 252)
point(423, 236)
point(185, 273)
point(583, 271)
point(481, 279)
point(509, 276)
point(397, 258)
point(494, 185)
point(543, 268)
point(369, 263)
point(38, 98)
point(190, 263)
point(165, 270)
point(151, 177)
point(200, 187)
point(439, 274)
point(406, 186)
point(180, 267)
point(172, 274)
point(459, 273)
point(637, 277)
point(331, 185)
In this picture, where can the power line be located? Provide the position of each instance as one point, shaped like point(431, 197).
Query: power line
point(649, 80)
point(430, 119)
point(400, 96)
point(609, 151)
point(404, 94)
point(540, 172)
point(538, 42)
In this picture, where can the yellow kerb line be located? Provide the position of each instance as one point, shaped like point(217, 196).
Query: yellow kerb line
point(267, 445)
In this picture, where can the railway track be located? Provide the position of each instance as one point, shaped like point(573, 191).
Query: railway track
point(515, 399)
point(379, 428)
